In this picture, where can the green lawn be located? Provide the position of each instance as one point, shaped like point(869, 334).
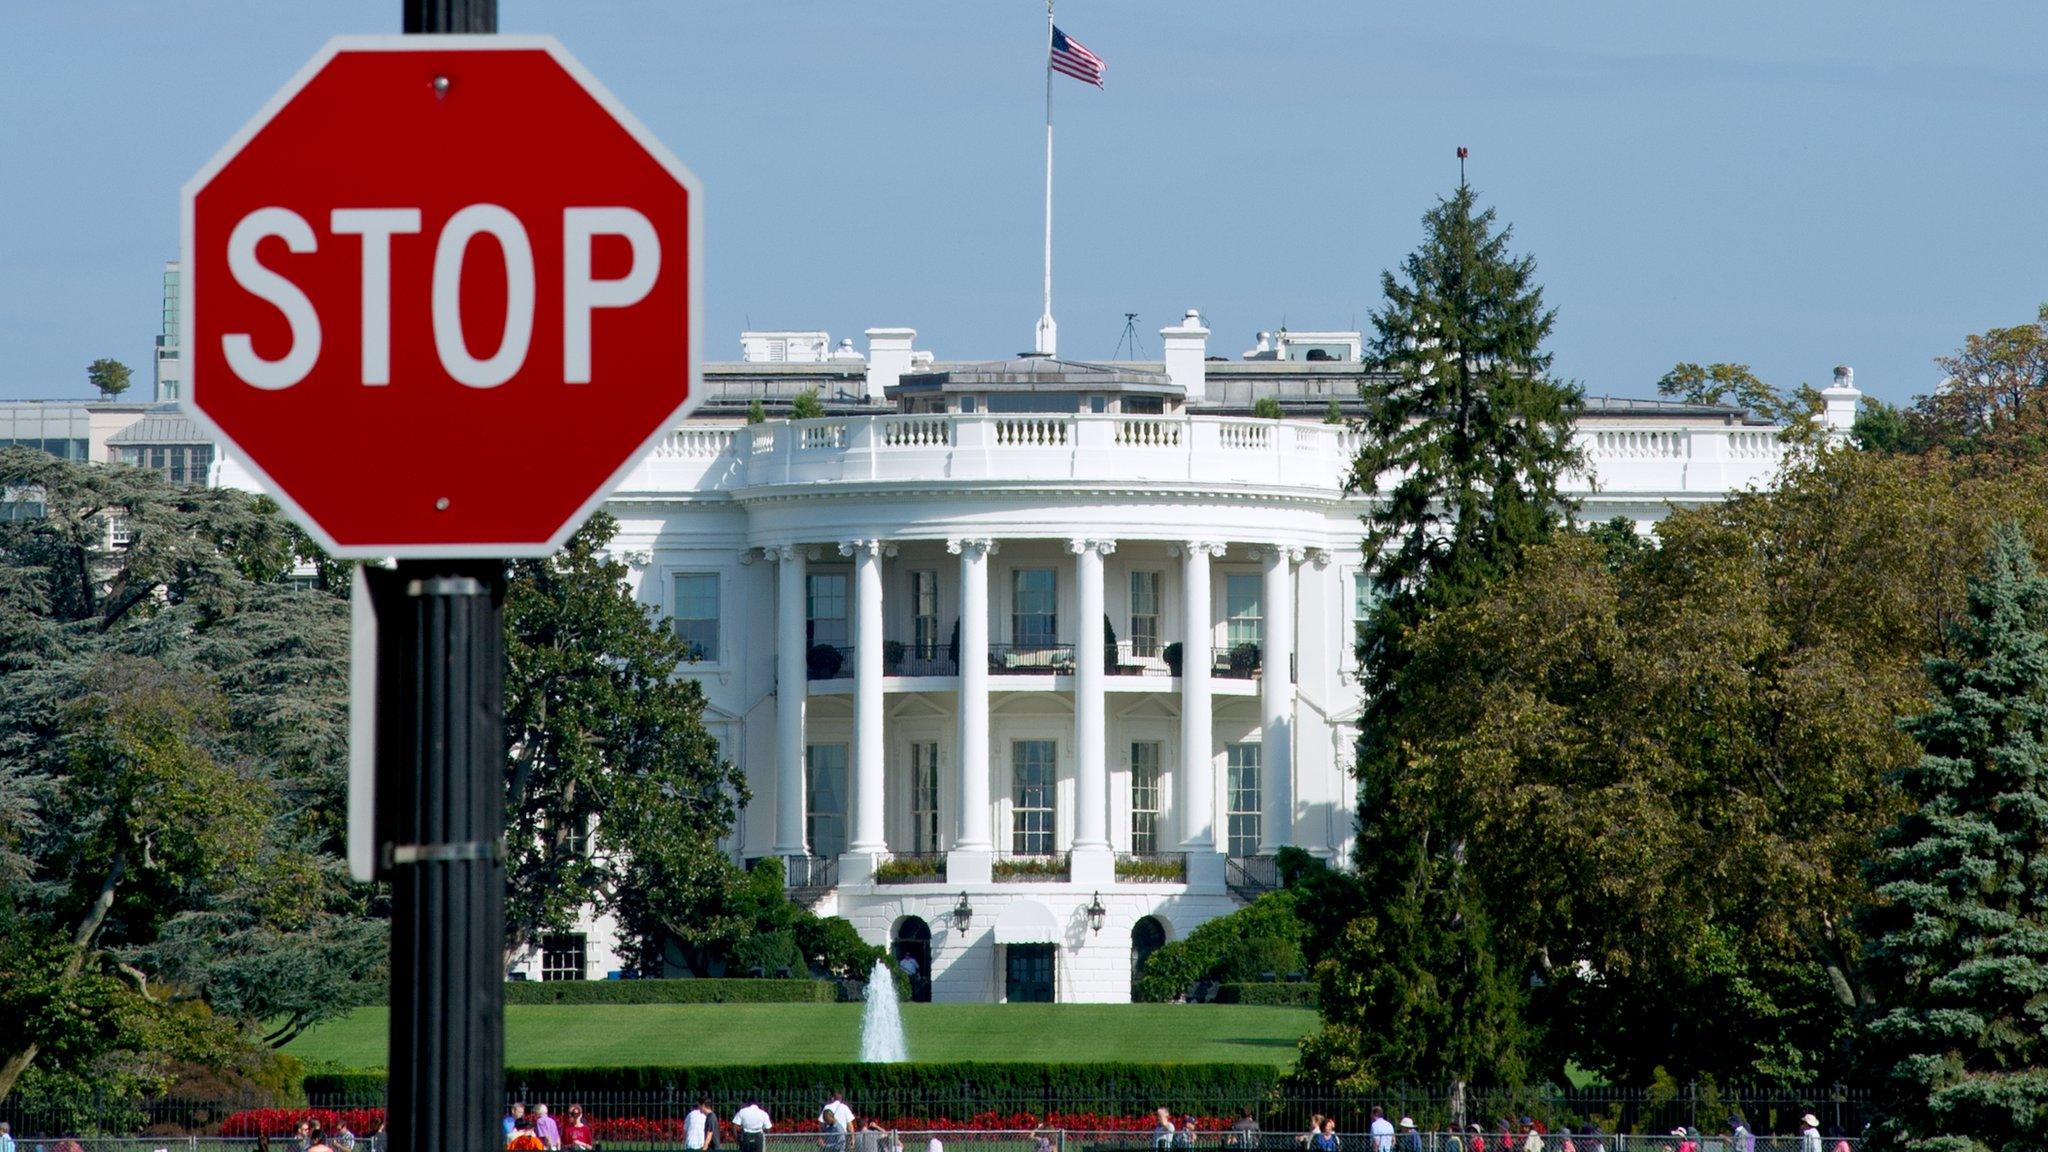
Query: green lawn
point(618, 1034)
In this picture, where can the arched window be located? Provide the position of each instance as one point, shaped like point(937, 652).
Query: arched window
point(1148, 935)
point(911, 945)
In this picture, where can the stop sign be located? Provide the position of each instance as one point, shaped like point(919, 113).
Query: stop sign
point(441, 294)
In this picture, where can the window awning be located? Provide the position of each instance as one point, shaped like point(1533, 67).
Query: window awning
point(1027, 922)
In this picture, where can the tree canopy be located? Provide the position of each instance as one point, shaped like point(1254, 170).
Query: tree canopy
point(172, 728)
point(1958, 957)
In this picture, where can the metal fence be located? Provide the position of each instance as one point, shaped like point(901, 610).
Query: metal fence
point(1107, 1114)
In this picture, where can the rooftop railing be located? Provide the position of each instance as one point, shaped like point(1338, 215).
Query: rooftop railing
point(1657, 460)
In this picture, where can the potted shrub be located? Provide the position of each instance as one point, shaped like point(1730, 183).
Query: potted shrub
point(1112, 662)
point(824, 661)
point(1171, 654)
point(1244, 659)
point(892, 657)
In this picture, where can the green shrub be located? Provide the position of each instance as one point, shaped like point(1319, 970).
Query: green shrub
point(913, 870)
point(898, 1089)
point(824, 661)
point(1030, 868)
point(1276, 995)
point(806, 406)
point(1267, 408)
point(728, 991)
point(1152, 870)
point(1334, 414)
point(756, 414)
point(1264, 936)
point(1172, 654)
point(1244, 659)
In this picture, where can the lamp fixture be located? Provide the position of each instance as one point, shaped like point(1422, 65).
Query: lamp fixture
point(1097, 914)
point(963, 913)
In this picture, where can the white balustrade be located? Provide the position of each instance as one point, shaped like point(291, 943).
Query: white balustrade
point(915, 431)
point(821, 434)
point(1656, 461)
point(694, 442)
point(1148, 431)
point(1034, 431)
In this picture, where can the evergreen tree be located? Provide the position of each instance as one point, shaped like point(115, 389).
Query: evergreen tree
point(1476, 438)
point(1958, 951)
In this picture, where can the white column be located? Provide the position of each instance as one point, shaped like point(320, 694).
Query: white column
point(1093, 862)
point(1276, 697)
point(1197, 727)
point(975, 845)
point(792, 685)
point(868, 745)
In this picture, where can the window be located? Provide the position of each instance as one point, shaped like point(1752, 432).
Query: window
point(924, 797)
point(696, 613)
point(1031, 819)
point(827, 607)
point(1034, 600)
point(1241, 611)
point(1145, 797)
point(1098, 404)
point(1144, 615)
point(967, 403)
point(1244, 800)
point(1027, 973)
point(1361, 605)
point(924, 606)
point(561, 956)
point(1148, 935)
point(1143, 406)
point(825, 798)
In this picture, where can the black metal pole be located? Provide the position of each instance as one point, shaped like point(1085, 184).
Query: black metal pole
point(441, 672)
point(451, 15)
point(440, 741)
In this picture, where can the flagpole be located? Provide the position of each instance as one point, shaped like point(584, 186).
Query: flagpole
point(1047, 341)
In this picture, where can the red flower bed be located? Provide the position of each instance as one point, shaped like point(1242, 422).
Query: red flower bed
point(285, 1121)
point(663, 1129)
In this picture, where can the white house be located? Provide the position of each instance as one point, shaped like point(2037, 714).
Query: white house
point(1033, 664)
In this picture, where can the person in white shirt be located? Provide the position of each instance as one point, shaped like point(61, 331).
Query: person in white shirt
point(697, 1127)
point(837, 1107)
point(1382, 1132)
point(752, 1121)
point(1809, 1133)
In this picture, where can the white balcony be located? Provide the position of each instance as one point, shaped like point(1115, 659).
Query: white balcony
point(1653, 459)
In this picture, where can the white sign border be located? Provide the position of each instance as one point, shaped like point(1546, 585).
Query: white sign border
point(189, 285)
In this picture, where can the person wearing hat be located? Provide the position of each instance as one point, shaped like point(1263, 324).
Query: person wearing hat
point(1741, 1138)
point(1411, 1140)
point(1809, 1133)
point(1684, 1145)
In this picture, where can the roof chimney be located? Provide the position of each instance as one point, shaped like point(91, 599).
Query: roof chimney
point(1839, 400)
point(1186, 346)
point(888, 358)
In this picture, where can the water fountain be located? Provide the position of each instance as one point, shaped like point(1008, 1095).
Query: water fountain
point(881, 1020)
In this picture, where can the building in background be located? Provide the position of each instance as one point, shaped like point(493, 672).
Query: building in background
point(1034, 664)
point(170, 372)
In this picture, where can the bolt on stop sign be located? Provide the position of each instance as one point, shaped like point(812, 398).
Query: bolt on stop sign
point(441, 294)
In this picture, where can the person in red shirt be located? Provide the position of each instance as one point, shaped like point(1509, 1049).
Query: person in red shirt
point(577, 1133)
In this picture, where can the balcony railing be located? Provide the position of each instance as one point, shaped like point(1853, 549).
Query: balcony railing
point(1152, 867)
point(1628, 457)
point(911, 659)
point(912, 868)
point(1028, 869)
point(1031, 659)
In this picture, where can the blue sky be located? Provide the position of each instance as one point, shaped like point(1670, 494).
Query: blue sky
point(1791, 185)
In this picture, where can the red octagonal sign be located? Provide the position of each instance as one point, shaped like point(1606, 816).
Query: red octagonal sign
point(441, 294)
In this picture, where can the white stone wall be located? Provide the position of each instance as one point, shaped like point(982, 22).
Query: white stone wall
point(1090, 967)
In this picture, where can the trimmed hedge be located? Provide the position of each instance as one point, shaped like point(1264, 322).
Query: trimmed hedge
point(935, 1089)
point(1278, 995)
point(701, 991)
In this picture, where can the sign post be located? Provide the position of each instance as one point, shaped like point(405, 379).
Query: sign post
point(441, 295)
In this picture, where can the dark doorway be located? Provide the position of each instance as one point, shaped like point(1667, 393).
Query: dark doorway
point(1029, 977)
point(1148, 935)
point(913, 944)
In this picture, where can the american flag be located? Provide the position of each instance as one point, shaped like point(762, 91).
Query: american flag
point(1072, 58)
